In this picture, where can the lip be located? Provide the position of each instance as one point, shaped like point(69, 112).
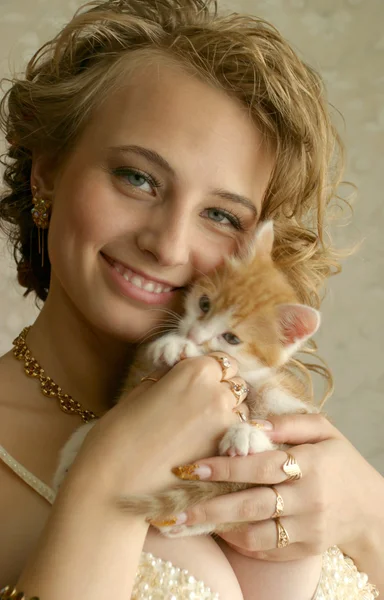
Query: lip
point(127, 289)
point(141, 273)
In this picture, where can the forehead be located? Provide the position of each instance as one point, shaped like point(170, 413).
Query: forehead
point(201, 131)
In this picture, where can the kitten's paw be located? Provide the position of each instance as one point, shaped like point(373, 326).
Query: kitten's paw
point(170, 349)
point(60, 474)
point(190, 350)
point(69, 453)
point(244, 439)
point(178, 531)
point(259, 441)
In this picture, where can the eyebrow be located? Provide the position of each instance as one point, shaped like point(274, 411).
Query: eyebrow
point(160, 161)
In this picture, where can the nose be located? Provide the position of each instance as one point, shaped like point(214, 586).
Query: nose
point(167, 238)
point(195, 335)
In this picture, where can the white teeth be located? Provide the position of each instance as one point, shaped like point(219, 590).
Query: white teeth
point(149, 287)
point(137, 281)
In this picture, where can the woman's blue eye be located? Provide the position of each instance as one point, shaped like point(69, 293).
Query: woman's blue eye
point(224, 217)
point(137, 179)
point(217, 215)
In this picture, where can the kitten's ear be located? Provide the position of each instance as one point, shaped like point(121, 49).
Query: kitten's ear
point(298, 322)
point(262, 243)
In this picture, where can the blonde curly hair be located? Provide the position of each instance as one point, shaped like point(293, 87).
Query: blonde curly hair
point(70, 76)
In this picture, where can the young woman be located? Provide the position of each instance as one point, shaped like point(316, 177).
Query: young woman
point(147, 141)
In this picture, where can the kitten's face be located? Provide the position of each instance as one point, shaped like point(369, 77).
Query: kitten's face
point(248, 309)
point(214, 321)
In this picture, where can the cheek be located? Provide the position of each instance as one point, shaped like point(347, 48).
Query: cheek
point(218, 344)
point(73, 232)
point(78, 208)
point(209, 254)
point(88, 214)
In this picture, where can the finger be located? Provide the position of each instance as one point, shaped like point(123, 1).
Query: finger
point(145, 383)
point(242, 412)
point(265, 468)
point(155, 376)
point(291, 552)
point(238, 387)
point(302, 429)
point(254, 504)
point(227, 364)
point(263, 536)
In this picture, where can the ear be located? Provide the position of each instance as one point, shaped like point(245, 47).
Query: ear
point(262, 243)
point(44, 173)
point(298, 322)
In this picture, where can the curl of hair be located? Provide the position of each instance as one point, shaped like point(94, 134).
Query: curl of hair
point(73, 74)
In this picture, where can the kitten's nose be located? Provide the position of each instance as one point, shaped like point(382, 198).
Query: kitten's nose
point(193, 336)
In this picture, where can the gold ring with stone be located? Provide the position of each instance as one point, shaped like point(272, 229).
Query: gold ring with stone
point(279, 507)
point(148, 379)
point(282, 535)
point(241, 415)
point(224, 363)
point(239, 390)
point(291, 468)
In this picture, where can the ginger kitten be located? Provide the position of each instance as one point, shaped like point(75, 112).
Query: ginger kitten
point(248, 309)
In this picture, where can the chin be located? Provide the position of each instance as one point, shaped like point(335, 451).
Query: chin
point(125, 321)
point(104, 310)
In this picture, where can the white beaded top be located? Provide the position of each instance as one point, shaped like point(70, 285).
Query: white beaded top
point(157, 579)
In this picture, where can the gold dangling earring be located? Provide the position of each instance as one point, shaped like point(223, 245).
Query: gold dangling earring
point(40, 215)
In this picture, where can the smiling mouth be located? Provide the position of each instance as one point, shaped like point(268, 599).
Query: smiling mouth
point(139, 281)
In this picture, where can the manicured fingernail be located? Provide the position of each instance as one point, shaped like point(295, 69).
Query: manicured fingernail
point(262, 424)
point(194, 472)
point(167, 523)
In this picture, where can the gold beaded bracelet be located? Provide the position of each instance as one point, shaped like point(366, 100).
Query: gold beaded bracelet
point(11, 592)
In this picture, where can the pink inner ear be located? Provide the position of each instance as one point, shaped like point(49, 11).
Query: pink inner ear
point(298, 322)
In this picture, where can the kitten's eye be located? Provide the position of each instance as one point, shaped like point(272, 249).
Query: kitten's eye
point(231, 338)
point(204, 303)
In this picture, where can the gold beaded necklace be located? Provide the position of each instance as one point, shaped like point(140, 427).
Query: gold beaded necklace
point(48, 386)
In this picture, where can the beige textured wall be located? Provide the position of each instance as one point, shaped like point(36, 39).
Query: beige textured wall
point(345, 40)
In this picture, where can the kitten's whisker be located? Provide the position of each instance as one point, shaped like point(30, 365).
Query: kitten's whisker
point(171, 319)
point(172, 313)
point(156, 331)
point(207, 278)
point(165, 327)
point(172, 324)
point(166, 310)
point(147, 339)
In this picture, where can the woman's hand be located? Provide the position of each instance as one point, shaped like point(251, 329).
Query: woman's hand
point(336, 502)
point(179, 418)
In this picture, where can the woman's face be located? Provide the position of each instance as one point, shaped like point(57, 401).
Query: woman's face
point(131, 227)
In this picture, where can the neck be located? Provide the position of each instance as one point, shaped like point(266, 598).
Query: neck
point(85, 362)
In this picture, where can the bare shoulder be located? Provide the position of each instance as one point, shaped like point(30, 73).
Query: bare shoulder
point(18, 506)
point(31, 432)
point(24, 514)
